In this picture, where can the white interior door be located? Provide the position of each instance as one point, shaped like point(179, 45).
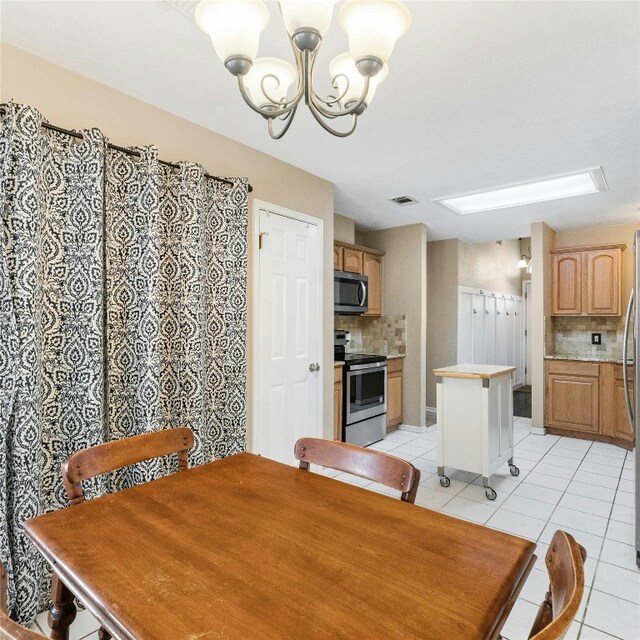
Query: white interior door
point(288, 379)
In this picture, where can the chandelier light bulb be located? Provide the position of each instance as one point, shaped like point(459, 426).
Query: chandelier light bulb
point(522, 263)
point(350, 82)
point(234, 27)
point(374, 26)
point(307, 14)
point(269, 80)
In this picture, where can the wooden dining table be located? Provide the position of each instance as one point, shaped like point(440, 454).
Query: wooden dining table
point(248, 548)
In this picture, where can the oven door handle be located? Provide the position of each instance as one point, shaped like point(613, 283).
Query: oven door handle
point(371, 365)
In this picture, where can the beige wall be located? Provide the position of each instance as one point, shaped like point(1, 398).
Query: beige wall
point(75, 102)
point(443, 258)
point(491, 266)
point(542, 239)
point(343, 229)
point(405, 293)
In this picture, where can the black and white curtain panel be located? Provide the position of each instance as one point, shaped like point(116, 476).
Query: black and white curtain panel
point(122, 311)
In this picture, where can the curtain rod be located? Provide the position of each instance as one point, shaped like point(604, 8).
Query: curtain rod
point(173, 165)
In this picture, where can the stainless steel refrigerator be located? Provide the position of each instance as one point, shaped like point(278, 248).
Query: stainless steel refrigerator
point(632, 388)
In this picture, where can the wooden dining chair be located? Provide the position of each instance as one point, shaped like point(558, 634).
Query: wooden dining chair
point(110, 456)
point(565, 565)
point(366, 463)
point(10, 630)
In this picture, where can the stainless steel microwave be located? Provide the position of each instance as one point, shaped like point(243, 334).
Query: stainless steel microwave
point(351, 293)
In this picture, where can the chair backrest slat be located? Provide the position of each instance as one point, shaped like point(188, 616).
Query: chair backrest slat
point(110, 456)
point(366, 463)
point(565, 565)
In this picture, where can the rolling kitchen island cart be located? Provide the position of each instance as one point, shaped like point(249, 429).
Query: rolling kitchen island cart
point(475, 421)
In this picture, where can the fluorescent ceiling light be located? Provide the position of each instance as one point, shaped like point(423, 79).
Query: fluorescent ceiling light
point(576, 184)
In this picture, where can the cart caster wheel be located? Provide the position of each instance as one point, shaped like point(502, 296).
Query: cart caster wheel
point(514, 470)
point(444, 481)
point(490, 493)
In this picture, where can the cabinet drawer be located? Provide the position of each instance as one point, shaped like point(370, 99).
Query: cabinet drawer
point(573, 367)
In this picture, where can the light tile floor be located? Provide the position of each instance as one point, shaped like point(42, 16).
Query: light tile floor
point(582, 487)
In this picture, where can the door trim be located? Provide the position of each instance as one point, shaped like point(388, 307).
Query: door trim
point(259, 205)
point(524, 335)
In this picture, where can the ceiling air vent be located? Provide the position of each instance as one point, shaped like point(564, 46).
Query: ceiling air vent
point(403, 201)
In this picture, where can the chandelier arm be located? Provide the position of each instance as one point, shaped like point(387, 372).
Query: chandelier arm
point(287, 120)
point(343, 112)
point(340, 134)
point(331, 99)
point(267, 113)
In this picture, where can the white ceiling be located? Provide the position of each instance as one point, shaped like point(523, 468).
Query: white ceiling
point(479, 95)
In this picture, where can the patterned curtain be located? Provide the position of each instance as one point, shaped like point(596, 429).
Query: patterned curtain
point(122, 311)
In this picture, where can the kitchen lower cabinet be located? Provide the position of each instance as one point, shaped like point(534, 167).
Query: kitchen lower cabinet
point(573, 396)
point(337, 402)
point(615, 421)
point(587, 400)
point(394, 392)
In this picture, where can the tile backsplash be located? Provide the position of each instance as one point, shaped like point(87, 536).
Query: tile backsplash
point(385, 335)
point(572, 336)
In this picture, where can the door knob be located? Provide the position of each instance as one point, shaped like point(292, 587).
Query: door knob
point(314, 367)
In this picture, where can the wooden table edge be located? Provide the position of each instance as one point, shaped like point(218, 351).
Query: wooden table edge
point(500, 622)
point(103, 619)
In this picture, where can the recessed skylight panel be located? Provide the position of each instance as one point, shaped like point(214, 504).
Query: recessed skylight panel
point(567, 186)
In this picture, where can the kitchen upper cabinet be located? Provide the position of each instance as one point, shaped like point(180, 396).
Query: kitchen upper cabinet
point(351, 260)
point(372, 268)
point(338, 258)
point(394, 391)
point(587, 400)
point(363, 261)
point(586, 281)
point(566, 284)
point(604, 271)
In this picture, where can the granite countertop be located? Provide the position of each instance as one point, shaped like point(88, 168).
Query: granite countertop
point(591, 358)
point(396, 355)
point(338, 363)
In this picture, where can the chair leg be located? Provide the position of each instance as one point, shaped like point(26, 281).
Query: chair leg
point(63, 611)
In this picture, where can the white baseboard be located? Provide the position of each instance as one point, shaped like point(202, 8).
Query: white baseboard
point(538, 431)
point(412, 429)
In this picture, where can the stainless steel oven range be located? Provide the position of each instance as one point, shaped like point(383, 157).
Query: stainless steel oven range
point(364, 385)
point(365, 402)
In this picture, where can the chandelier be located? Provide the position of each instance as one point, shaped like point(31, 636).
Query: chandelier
point(372, 26)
